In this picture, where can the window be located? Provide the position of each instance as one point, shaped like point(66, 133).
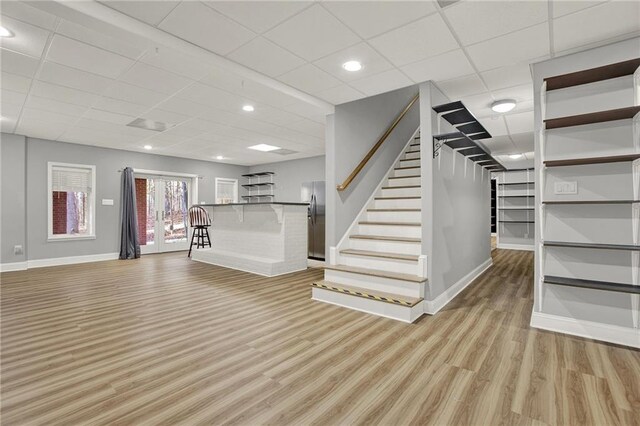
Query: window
point(226, 191)
point(71, 201)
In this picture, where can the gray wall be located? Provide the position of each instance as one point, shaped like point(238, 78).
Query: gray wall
point(13, 197)
point(290, 175)
point(456, 205)
point(350, 134)
point(107, 162)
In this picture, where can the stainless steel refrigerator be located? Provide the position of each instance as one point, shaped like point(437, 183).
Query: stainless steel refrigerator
point(314, 194)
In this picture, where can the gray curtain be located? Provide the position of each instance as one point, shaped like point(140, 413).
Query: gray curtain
point(129, 242)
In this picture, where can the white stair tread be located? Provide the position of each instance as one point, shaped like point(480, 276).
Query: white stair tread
point(404, 177)
point(376, 273)
point(401, 187)
point(381, 254)
point(369, 222)
point(396, 299)
point(393, 210)
point(386, 238)
point(407, 167)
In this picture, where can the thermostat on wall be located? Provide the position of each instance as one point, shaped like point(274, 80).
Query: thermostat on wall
point(107, 202)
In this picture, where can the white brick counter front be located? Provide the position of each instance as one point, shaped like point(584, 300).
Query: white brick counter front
point(263, 238)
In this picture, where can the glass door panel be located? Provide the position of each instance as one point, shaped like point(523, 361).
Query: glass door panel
point(174, 217)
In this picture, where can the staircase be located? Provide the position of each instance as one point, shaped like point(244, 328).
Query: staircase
point(379, 267)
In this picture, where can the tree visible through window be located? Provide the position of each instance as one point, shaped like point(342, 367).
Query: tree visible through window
point(71, 200)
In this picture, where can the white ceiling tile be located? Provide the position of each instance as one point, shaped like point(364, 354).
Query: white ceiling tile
point(203, 26)
point(383, 82)
point(8, 124)
point(47, 116)
point(564, 7)
point(340, 94)
point(479, 104)
point(71, 77)
point(478, 21)
point(427, 37)
point(182, 106)
point(495, 125)
point(266, 57)
point(75, 54)
point(521, 93)
point(259, 16)
point(524, 141)
point(517, 47)
point(120, 106)
point(448, 65)
point(16, 63)
point(36, 102)
point(176, 62)
point(56, 92)
point(307, 110)
point(508, 76)
point(36, 128)
point(103, 41)
point(309, 127)
point(499, 144)
point(462, 86)
point(312, 34)
point(11, 97)
point(109, 117)
point(211, 96)
point(151, 12)
point(520, 123)
point(15, 82)
point(370, 18)
point(372, 62)
point(310, 79)
point(26, 13)
point(596, 24)
point(27, 39)
point(167, 117)
point(136, 95)
point(152, 78)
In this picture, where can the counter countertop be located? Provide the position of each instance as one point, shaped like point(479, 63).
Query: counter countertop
point(255, 204)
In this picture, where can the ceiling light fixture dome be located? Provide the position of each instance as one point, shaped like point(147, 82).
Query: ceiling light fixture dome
point(148, 147)
point(219, 157)
point(352, 66)
point(504, 105)
point(515, 156)
point(248, 108)
point(4, 32)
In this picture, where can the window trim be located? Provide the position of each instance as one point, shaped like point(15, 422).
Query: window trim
point(92, 204)
point(228, 180)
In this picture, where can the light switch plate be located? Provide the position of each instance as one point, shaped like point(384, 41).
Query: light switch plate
point(565, 188)
point(107, 202)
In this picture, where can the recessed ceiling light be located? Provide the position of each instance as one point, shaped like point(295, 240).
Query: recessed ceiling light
point(145, 123)
point(248, 108)
point(219, 157)
point(515, 156)
point(148, 147)
point(504, 105)
point(352, 66)
point(264, 147)
point(5, 32)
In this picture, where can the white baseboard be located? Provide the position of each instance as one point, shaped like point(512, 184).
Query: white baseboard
point(57, 261)
point(627, 336)
point(516, 247)
point(433, 306)
point(15, 266)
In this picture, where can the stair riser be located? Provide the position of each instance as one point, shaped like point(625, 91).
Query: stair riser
point(413, 203)
point(394, 216)
point(409, 163)
point(388, 310)
point(390, 230)
point(405, 172)
point(385, 246)
point(412, 155)
point(376, 284)
point(380, 263)
point(400, 192)
point(403, 181)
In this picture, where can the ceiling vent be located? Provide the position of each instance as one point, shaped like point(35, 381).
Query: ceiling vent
point(283, 151)
point(145, 123)
point(447, 3)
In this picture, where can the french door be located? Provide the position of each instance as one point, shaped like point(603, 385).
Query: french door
point(162, 204)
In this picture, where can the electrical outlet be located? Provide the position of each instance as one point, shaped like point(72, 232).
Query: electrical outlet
point(565, 188)
point(18, 250)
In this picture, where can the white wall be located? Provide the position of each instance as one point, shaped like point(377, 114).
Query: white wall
point(290, 175)
point(13, 177)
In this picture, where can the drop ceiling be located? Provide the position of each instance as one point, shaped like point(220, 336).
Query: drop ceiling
point(73, 78)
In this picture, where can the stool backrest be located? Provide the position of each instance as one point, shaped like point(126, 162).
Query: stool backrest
point(198, 216)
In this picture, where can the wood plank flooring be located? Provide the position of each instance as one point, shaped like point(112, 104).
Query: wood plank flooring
point(163, 340)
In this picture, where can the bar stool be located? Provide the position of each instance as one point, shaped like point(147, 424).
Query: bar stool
point(200, 222)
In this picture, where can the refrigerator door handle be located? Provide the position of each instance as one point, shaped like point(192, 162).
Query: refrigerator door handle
point(313, 209)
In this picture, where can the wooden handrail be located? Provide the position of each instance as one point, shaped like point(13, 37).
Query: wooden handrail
point(344, 185)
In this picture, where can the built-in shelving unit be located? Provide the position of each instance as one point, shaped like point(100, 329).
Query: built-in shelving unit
point(494, 207)
point(516, 209)
point(259, 186)
point(589, 194)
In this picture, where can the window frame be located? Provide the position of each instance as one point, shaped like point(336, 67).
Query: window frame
point(227, 180)
point(91, 202)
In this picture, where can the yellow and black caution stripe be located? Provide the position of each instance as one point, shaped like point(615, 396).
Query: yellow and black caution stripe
point(381, 297)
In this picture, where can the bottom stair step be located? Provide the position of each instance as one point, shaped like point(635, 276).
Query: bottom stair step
point(368, 294)
point(377, 273)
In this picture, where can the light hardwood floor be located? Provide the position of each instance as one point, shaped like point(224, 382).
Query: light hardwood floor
point(163, 340)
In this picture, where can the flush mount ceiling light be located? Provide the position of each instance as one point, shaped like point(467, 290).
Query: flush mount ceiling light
point(504, 105)
point(5, 32)
point(145, 123)
point(264, 147)
point(515, 156)
point(148, 147)
point(248, 108)
point(352, 66)
point(219, 157)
